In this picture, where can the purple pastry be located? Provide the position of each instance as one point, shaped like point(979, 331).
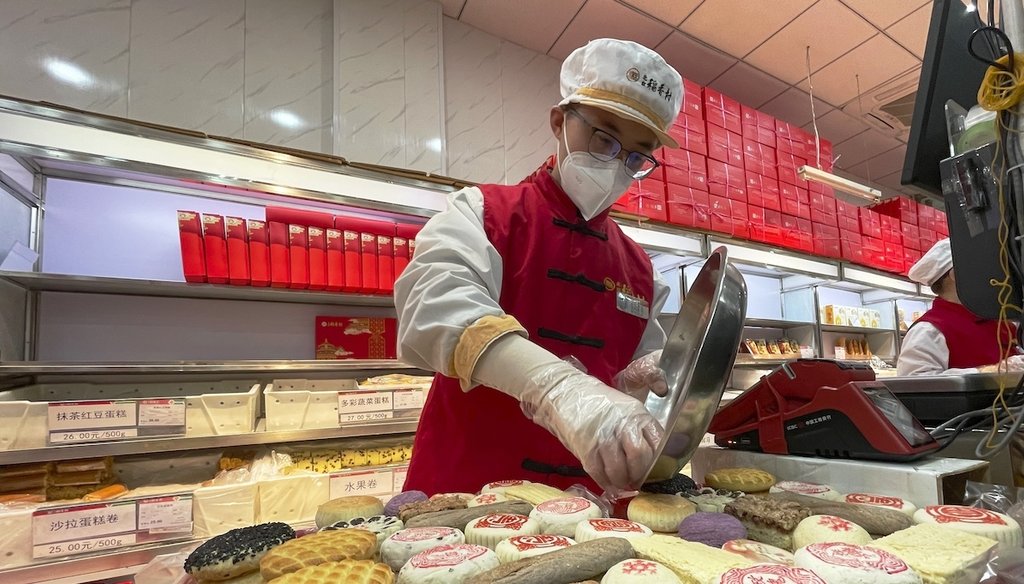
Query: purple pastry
point(396, 502)
point(713, 529)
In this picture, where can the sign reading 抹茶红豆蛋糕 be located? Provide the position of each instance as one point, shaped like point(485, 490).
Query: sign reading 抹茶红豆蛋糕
point(112, 420)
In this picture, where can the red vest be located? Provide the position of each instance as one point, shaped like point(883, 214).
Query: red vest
point(972, 341)
point(560, 278)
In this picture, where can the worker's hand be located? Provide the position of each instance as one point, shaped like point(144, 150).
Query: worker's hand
point(643, 376)
point(1014, 364)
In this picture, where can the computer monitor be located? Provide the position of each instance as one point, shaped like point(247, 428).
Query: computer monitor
point(948, 72)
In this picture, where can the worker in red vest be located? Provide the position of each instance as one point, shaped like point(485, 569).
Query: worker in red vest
point(528, 300)
point(949, 339)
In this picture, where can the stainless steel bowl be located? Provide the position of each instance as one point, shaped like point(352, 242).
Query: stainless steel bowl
point(699, 356)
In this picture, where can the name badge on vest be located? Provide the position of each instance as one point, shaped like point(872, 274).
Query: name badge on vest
point(632, 305)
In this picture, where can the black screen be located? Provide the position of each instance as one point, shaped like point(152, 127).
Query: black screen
point(899, 416)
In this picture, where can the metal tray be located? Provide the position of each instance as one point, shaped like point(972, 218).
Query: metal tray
point(699, 357)
point(969, 383)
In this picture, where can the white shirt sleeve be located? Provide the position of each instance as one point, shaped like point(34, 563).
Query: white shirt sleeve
point(924, 352)
point(454, 279)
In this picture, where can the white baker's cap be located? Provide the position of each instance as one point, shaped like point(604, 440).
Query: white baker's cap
point(933, 265)
point(626, 79)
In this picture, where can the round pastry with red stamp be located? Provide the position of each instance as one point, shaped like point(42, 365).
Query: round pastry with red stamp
point(756, 551)
point(901, 505)
point(997, 526)
point(502, 486)
point(640, 571)
point(592, 529)
point(491, 529)
point(448, 563)
point(528, 546)
point(561, 516)
point(844, 563)
point(774, 573)
point(398, 548)
point(822, 528)
point(487, 499)
point(807, 489)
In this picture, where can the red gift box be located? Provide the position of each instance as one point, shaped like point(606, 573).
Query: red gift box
point(928, 238)
point(335, 243)
point(894, 261)
point(910, 257)
point(386, 261)
point(341, 337)
point(279, 265)
point(298, 256)
point(190, 232)
point(372, 274)
point(940, 224)
point(870, 223)
point(826, 240)
point(903, 208)
point(645, 198)
point(317, 258)
point(851, 247)
point(763, 191)
point(688, 207)
point(689, 131)
point(291, 216)
point(687, 169)
point(259, 253)
point(874, 252)
point(728, 181)
point(789, 167)
point(759, 158)
point(795, 201)
point(729, 217)
point(758, 126)
point(848, 216)
point(911, 235)
point(405, 241)
point(693, 99)
point(725, 146)
point(215, 249)
point(722, 111)
point(891, 230)
point(238, 251)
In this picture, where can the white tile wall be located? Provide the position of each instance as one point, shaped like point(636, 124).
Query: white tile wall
point(529, 88)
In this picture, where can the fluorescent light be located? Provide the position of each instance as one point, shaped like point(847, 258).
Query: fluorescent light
point(839, 183)
point(971, 7)
point(287, 119)
point(69, 73)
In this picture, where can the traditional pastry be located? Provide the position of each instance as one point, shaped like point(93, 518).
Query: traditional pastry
point(487, 499)
point(236, 552)
point(349, 571)
point(990, 524)
point(828, 528)
point(938, 554)
point(693, 563)
point(774, 573)
point(662, 513)
point(592, 529)
point(491, 529)
point(713, 529)
point(527, 546)
point(582, 561)
point(756, 551)
point(317, 548)
point(561, 516)
point(672, 486)
point(448, 563)
point(534, 493)
point(844, 563)
point(345, 508)
point(381, 525)
point(459, 518)
point(639, 571)
point(396, 550)
point(769, 520)
point(665, 467)
point(895, 503)
point(747, 480)
point(809, 489)
point(502, 486)
point(395, 503)
point(878, 521)
point(711, 500)
point(410, 510)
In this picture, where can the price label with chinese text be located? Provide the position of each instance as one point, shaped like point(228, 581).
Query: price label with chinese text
point(364, 406)
point(104, 421)
point(172, 514)
point(399, 482)
point(162, 412)
point(83, 528)
point(410, 399)
point(375, 483)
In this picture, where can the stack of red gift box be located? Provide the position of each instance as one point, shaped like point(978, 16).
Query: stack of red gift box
point(296, 249)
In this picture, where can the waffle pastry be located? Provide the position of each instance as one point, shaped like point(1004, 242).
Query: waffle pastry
point(318, 548)
point(350, 571)
point(747, 480)
point(534, 493)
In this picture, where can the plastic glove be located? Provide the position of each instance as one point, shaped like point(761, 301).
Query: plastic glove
point(612, 434)
point(642, 376)
point(1014, 363)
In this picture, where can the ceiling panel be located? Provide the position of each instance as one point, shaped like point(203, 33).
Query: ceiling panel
point(885, 12)
point(863, 146)
point(670, 11)
point(794, 106)
point(452, 8)
point(891, 181)
point(874, 62)
point(749, 85)
point(607, 18)
point(912, 31)
point(534, 24)
point(716, 22)
point(881, 165)
point(693, 59)
point(784, 54)
point(837, 126)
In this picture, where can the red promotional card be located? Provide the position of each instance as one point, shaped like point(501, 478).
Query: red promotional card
point(291, 216)
point(335, 259)
point(280, 271)
point(342, 337)
point(238, 251)
point(298, 256)
point(259, 253)
point(317, 258)
point(190, 232)
point(215, 248)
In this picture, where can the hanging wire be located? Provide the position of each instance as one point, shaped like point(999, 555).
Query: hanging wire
point(814, 116)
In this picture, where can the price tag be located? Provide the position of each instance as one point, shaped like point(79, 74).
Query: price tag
point(840, 353)
point(166, 514)
point(90, 415)
point(399, 482)
point(103, 421)
point(83, 528)
point(162, 412)
point(364, 406)
point(410, 399)
point(374, 483)
point(76, 436)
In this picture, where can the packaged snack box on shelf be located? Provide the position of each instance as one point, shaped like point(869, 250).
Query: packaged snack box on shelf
point(724, 145)
point(759, 158)
point(644, 199)
point(689, 131)
point(298, 257)
point(215, 249)
point(317, 258)
point(685, 168)
point(259, 253)
point(280, 271)
point(238, 251)
point(190, 233)
point(758, 126)
point(722, 111)
point(689, 207)
point(693, 99)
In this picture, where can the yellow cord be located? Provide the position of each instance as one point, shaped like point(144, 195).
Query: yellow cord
point(1000, 89)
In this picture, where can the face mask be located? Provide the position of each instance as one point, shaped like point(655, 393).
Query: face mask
point(592, 184)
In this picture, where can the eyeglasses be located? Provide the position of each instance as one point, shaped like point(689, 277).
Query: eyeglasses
point(605, 147)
